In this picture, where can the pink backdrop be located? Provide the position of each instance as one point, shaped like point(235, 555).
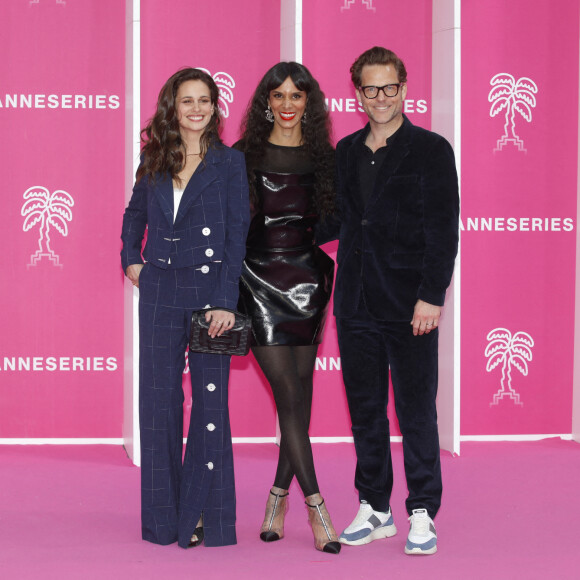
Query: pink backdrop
point(519, 276)
point(329, 59)
point(251, 406)
point(62, 121)
point(62, 126)
point(212, 37)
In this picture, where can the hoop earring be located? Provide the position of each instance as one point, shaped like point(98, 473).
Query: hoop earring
point(269, 114)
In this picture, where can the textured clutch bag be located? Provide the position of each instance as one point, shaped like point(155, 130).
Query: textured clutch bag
point(235, 341)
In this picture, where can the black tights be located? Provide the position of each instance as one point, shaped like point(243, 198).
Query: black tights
point(289, 371)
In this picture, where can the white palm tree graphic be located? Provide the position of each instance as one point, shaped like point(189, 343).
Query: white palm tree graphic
point(508, 350)
point(512, 96)
point(225, 83)
point(349, 3)
point(42, 207)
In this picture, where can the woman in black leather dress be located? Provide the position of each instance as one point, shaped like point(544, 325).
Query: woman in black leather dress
point(286, 279)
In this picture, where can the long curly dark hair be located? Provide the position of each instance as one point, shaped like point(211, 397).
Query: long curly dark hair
point(315, 131)
point(163, 150)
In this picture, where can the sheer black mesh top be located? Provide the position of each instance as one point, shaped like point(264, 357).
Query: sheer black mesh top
point(281, 159)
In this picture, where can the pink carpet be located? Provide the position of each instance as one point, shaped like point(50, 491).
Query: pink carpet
point(510, 510)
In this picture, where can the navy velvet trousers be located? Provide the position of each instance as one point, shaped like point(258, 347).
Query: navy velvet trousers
point(368, 347)
point(176, 491)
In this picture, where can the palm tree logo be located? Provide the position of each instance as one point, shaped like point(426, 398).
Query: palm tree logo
point(349, 3)
point(512, 96)
point(225, 83)
point(509, 351)
point(47, 209)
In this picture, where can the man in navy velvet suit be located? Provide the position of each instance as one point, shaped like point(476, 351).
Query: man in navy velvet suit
point(398, 207)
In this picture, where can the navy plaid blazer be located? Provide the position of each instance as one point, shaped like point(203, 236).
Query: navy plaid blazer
point(211, 223)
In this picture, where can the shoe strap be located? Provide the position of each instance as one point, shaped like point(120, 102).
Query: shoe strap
point(280, 494)
point(322, 520)
point(315, 505)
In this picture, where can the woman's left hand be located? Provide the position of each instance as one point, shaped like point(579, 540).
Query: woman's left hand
point(221, 320)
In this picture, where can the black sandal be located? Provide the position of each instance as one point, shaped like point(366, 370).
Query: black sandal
point(198, 533)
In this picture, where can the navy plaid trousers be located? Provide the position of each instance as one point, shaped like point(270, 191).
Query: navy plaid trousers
point(176, 491)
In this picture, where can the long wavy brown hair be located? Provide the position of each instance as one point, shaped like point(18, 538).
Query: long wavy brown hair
point(163, 150)
point(315, 131)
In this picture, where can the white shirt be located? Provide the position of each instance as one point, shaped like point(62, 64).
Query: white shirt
point(177, 195)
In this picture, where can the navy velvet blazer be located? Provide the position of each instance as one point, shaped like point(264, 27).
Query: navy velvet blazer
point(401, 245)
point(211, 223)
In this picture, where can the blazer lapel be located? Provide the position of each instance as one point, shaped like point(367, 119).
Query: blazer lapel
point(164, 191)
point(352, 166)
point(205, 174)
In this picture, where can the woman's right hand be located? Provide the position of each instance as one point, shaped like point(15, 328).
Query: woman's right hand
point(133, 272)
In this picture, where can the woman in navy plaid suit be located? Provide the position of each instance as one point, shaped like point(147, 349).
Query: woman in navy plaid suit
point(191, 195)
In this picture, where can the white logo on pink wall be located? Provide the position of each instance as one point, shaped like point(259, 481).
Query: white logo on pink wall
point(62, 2)
point(46, 210)
point(513, 97)
point(511, 352)
point(367, 3)
point(225, 83)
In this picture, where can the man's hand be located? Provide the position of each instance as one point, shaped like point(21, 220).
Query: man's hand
point(133, 272)
point(425, 317)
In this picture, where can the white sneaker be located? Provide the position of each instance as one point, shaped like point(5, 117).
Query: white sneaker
point(422, 537)
point(368, 525)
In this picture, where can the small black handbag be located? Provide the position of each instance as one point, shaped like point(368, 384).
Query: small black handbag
point(234, 341)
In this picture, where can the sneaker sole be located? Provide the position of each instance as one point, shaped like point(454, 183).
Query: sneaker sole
point(420, 552)
point(376, 534)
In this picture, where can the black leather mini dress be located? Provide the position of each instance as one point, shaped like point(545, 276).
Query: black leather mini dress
point(286, 279)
